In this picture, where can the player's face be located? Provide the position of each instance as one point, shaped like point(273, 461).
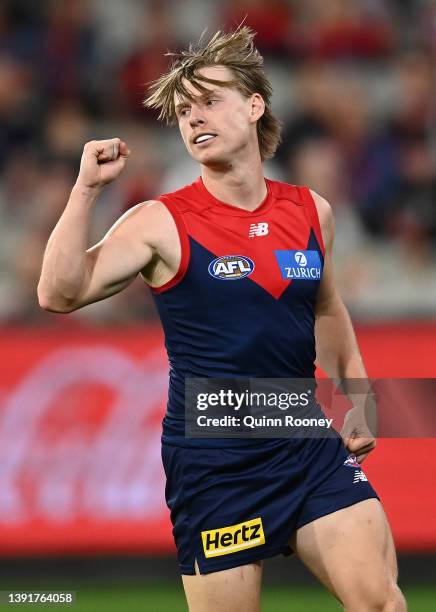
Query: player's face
point(221, 124)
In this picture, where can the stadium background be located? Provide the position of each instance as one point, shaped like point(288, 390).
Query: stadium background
point(81, 396)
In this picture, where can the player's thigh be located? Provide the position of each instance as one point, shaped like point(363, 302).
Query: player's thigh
point(351, 551)
point(231, 590)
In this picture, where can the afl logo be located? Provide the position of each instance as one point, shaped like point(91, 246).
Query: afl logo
point(300, 258)
point(231, 267)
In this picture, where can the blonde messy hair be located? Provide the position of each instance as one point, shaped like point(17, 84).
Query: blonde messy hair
point(234, 50)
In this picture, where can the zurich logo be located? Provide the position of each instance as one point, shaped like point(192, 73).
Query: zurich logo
point(231, 267)
point(300, 258)
point(300, 265)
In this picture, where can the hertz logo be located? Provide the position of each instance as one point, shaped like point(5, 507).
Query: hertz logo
point(233, 538)
point(231, 267)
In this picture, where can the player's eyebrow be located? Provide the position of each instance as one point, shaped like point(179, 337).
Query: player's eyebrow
point(181, 105)
point(202, 97)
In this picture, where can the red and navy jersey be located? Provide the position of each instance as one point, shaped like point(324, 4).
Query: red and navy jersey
point(242, 303)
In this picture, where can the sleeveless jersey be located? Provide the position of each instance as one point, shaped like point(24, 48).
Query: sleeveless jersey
point(242, 301)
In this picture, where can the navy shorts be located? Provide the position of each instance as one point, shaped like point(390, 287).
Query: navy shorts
point(233, 506)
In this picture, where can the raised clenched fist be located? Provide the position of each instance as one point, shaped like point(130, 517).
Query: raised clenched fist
point(102, 161)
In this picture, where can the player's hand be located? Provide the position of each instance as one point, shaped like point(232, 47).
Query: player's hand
point(102, 161)
point(356, 434)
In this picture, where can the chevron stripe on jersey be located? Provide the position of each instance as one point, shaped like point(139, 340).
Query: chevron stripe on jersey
point(254, 320)
point(224, 230)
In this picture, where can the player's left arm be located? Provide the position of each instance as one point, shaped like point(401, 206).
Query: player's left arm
point(336, 345)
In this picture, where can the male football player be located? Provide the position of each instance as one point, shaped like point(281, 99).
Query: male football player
point(223, 258)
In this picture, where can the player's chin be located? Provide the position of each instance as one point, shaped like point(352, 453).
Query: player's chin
point(210, 158)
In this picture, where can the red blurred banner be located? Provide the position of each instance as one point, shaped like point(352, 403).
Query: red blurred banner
point(80, 421)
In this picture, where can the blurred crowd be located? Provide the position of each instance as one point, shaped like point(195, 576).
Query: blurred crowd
point(354, 86)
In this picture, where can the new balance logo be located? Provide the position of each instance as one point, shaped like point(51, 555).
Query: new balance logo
point(359, 476)
point(258, 229)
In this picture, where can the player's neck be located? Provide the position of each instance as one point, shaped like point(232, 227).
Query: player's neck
point(243, 187)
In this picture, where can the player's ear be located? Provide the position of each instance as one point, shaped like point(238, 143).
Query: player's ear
point(257, 107)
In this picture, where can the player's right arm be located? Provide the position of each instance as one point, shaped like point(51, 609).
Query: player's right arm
point(74, 275)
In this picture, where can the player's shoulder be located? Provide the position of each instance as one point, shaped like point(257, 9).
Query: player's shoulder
point(323, 207)
point(158, 213)
point(148, 218)
point(185, 197)
point(285, 191)
point(325, 216)
point(321, 203)
point(303, 195)
point(145, 210)
point(299, 194)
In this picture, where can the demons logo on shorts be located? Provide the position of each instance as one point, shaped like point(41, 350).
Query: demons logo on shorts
point(351, 461)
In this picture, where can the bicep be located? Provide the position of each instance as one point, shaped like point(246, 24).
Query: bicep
point(114, 262)
point(112, 266)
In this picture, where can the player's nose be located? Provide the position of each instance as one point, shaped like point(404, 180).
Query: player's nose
point(196, 118)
